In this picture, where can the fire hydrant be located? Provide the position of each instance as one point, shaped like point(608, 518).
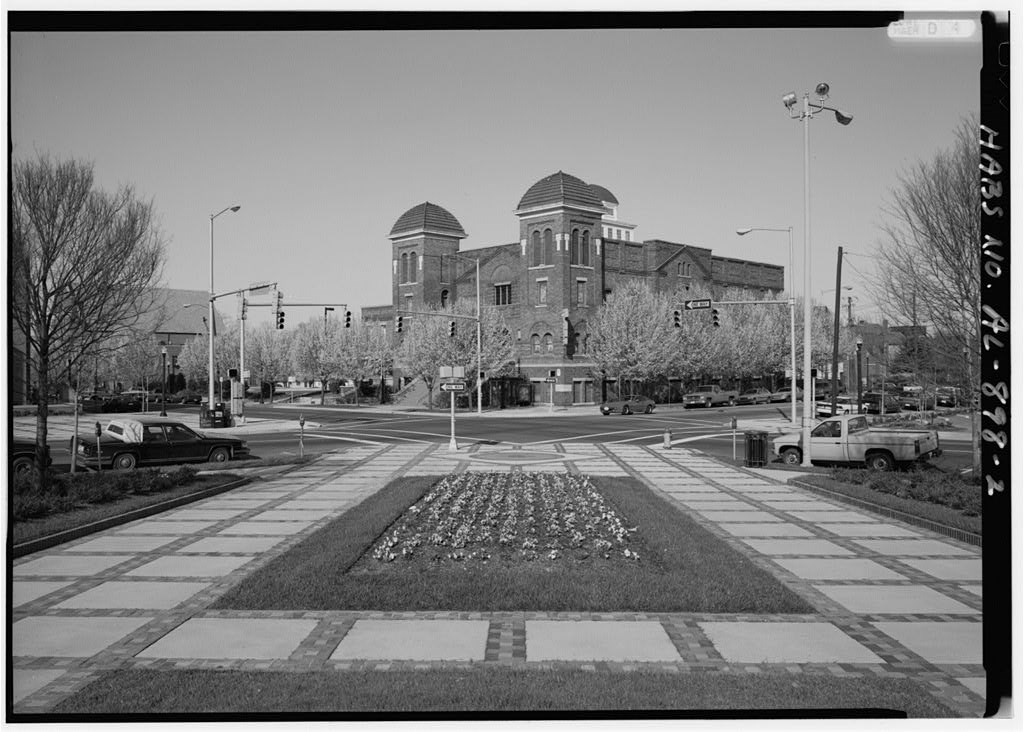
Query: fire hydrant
point(667, 444)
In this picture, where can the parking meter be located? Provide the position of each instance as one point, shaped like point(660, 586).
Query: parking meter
point(99, 461)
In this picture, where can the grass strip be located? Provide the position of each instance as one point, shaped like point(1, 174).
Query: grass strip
point(153, 692)
point(683, 568)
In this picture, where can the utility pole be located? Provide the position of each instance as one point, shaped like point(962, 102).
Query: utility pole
point(835, 331)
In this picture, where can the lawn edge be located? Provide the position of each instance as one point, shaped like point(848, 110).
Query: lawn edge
point(952, 532)
point(46, 542)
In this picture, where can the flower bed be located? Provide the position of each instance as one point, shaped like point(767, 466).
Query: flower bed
point(506, 517)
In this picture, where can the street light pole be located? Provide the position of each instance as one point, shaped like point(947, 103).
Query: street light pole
point(163, 391)
point(860, 406)
point(792, 315)
point(790, 100)
point(212, 293)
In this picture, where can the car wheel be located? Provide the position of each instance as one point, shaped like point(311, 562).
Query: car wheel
point(626, 409)
point(124, 461)
point(791, 456)
point(23, 465)
point(219, 455)
point(707, 404)
point(648, 409)
point(880, 461)
point(732, 402)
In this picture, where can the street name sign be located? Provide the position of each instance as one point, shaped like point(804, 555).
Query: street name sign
point(697, 304)
point(453, 386)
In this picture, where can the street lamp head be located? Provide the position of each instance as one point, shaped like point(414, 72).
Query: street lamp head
point(235, 208)
point(843, 118)
point(741, 232)
point(822, 90)
point(789, 100)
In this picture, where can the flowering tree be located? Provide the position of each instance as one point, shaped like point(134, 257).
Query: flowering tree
point(195, 355)
point(268, 352)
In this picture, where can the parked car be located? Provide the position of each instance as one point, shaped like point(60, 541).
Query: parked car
point(631, 405)
point(848, 439)
point(785, 395)
point(709, 395)
point(917, 401)
point(872, 401)
point(844, 405)
point(23, 456)
point(947, 396)
point(128, 443)
point(754, 396)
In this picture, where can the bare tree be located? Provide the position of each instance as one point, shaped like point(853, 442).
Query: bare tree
point(929, 257)
point(84, 264)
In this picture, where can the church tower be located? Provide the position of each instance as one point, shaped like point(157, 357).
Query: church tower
point(422, 273)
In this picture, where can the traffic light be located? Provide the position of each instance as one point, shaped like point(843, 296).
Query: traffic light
point(280, 319)
point(677, 318)
point(348, 318)
point(398, 324)
point(451, 328)
point(714, 318)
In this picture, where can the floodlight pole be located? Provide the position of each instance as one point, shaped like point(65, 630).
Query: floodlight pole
point(808, 400)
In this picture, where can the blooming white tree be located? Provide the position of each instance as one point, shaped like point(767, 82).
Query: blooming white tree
point(268, 352)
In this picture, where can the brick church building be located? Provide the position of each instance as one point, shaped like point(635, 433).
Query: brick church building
point(573, 251)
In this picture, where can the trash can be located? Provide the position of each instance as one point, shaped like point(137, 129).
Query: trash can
point(756, 449)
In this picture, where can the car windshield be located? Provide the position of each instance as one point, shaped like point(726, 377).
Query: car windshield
point(179, 432)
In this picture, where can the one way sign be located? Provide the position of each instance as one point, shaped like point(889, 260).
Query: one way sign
point(697, 304)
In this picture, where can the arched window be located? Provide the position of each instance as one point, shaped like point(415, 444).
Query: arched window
point(549, 247)
point(574, 247)
point(536, 343)
point(536, 253)
point(549, 343)
point(444, 298)
point(586, 343)
point(412, 266)
point(403, 271)
point(585, 249)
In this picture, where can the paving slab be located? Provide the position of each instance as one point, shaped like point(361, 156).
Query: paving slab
point(174, 528)
point(782, 642)
point(28, 681)
point(868, 529)
point(831, 568)
point(414, 640)
point(975, 684)
point(766, 529)
point(113, 543)
point(880, 599)
point(204, 514)
point(939, 642)
point(76, 637)
point(949, 642)
point(227, 638)
point(948, 569)
point(232, 544)
point(732, 504)
point(828, 516)
point(753, 516)
point(594, 640)
point(133, 596)
point(912, 547)
point(177, 565)
point(272, 528)
point(796, 502)
point(313, 504)
point(69, 565)
point(23, 591)
point(778, 547)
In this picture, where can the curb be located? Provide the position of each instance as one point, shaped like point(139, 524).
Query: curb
point(967, 537)
point(48, 542)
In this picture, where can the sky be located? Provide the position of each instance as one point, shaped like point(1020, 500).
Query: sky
point(325, 138)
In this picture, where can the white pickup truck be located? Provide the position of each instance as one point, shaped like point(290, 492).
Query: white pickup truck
point(849, 439)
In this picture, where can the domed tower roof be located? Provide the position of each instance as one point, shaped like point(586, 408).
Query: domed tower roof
point(604, 194)
point(559, 188)
point(427, 217)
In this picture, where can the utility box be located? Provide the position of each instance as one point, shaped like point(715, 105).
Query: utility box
point(219, 416)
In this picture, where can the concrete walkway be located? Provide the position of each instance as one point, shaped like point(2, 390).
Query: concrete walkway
point(892, 601)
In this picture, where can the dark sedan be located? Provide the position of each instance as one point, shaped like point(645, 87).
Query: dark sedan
point(23, 456)
point(127, 443)
point(628, 406)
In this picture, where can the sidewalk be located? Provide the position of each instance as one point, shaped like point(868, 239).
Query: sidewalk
point(891, 600)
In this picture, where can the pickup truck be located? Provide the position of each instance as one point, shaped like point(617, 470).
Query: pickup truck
point(849, 439)
point(709, 396)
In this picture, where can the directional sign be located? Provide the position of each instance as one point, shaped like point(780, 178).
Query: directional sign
point(551, 380)
point(697, 304)
point(453, 386)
